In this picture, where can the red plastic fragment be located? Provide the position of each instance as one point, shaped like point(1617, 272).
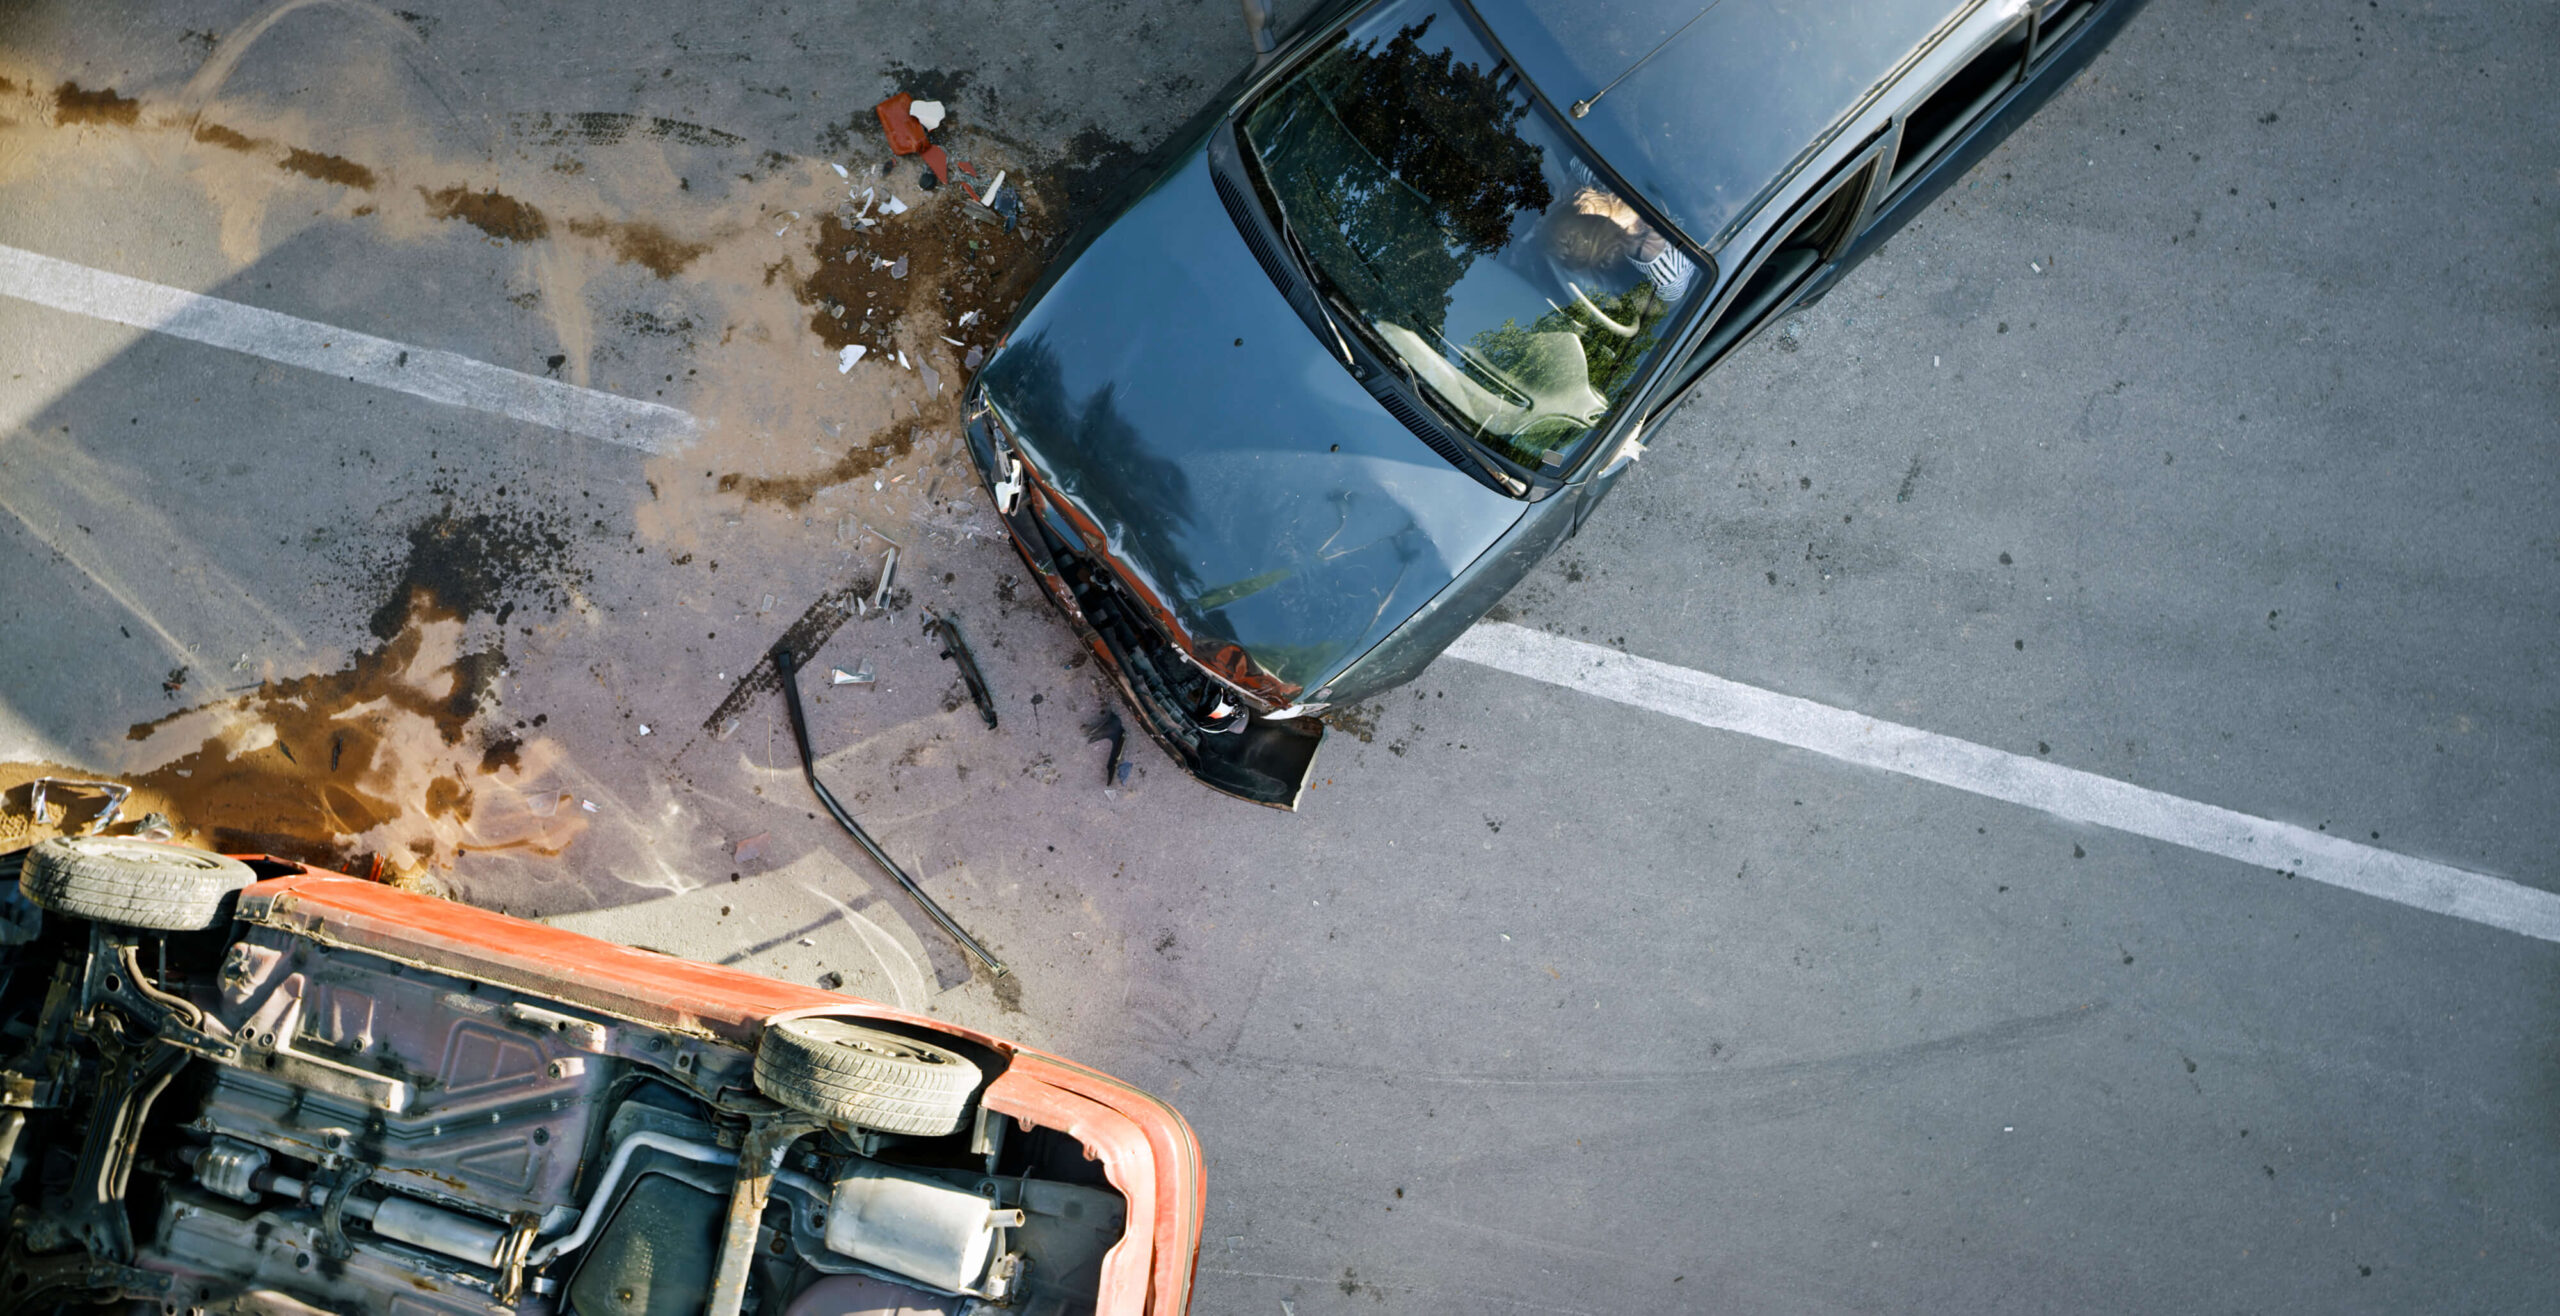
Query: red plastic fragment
point(906, 136)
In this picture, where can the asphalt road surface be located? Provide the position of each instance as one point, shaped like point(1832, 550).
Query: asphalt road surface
point(2203, 439)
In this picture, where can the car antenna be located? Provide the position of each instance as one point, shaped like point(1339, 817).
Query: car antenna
point(1583, 106)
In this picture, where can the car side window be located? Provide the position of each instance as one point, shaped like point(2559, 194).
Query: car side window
point(1819, 234)
point(1941, 117)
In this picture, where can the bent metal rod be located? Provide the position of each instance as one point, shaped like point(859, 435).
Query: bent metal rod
point(788, 666)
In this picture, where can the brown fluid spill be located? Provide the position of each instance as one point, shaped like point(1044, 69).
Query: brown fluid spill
point(72, 105)
point(374, 759)
point(640, 243)
point(327, 168)
point(229, 139)
point(492, 212)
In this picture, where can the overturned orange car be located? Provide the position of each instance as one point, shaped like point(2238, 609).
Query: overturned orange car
point(240, 1084)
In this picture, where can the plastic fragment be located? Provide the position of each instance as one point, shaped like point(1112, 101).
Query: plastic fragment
point(845, 359)
point(840, 169)
point(888, 573)
point(966, 319)
point(928, 113)
point(902, 360)
point(750, 848)
point(588, 805)
point(644, 728)
point(898, 268)
point(893, 206)
point(994, 189)
point(861, 675)
point(932, 380)
point(977, 356)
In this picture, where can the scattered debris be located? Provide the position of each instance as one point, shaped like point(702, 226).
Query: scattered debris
point(116, 792)
point(1106, 725)
point(898, 268)
point(751, 848)
point(644, 728)
point(976, 357)
point(588, 805)
point(928, 113)
point(902, 354)
point(846, 359)
point(155, 827)
point(932, 380)
point(840, 169)
point(786, 665)
point(861, 675)
point(831, 980)
point(956, 648)
point(893, 206)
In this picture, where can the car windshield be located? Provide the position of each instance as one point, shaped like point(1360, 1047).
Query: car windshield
point(1455, 224)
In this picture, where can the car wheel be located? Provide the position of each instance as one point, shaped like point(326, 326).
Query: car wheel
point(136, 884)
point(845, 1073)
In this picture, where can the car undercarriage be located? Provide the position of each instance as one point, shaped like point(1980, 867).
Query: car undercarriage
point(215, 1101)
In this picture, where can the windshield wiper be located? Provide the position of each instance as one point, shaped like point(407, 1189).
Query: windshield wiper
point(1315, 281)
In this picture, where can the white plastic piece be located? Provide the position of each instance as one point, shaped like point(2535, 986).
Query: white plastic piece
point(1008, 490)
point(845, 359)
point(921, 1228)
point(928, 113)
point(967, 318)
point(893, 206)
point(840, 169)
point(989, 200)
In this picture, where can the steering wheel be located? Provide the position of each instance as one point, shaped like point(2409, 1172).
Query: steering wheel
point(1621, 330)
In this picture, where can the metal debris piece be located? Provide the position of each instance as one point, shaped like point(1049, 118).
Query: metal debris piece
point(888, 573)
point(788, 665)
point(115, 791)
point(956, 648)
point(1106, 725)
point(861, 675)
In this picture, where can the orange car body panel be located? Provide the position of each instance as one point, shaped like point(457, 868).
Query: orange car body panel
point(1147, 1150)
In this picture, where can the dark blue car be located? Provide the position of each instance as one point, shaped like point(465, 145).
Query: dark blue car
point(1383, 325)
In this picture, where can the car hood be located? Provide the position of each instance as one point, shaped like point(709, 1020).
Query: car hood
point(1226, 462)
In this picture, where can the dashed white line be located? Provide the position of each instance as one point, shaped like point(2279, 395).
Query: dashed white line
point(1997, 774)
point(423, 372)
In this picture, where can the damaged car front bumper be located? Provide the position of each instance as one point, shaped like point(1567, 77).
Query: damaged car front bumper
point(1230, 739)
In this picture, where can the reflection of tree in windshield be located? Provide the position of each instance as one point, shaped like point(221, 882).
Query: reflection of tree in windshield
point(1391, 145)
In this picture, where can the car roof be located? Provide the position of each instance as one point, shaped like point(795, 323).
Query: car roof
point(1727, 108)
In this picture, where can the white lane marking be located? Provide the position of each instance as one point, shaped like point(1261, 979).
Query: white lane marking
point(2081, 796)
point(422, 372)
